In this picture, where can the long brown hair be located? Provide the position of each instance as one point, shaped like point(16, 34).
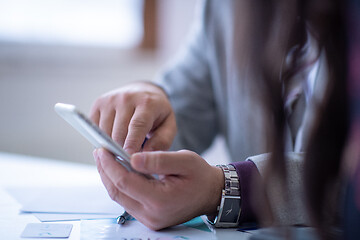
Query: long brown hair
point(278, 26)
point(329, 133)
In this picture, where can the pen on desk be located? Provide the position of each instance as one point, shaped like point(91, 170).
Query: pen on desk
point(123, 218)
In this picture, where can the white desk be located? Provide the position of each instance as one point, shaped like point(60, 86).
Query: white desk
point(18, 170)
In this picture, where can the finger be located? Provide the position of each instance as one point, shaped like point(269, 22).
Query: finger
point(132, 184)
point(135, 208)
point(95, 115)
point(114, 193)
point(163, 136)
point(121, 123)
point(139, 126)
point(164, 163)
point(107, 120)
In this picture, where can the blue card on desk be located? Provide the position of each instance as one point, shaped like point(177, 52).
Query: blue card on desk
point(43, 230)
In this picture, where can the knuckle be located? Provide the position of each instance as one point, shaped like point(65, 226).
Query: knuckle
point(121, 183)
point(124, 97)
point(153, 222)
point(189, 156)
point(138, 123)
point(148, 100)
point(155, 226)
point(115, 98)
point(119, 136)
point(187, 153)
point(95, 108)
point(98, 102)
point(113, 193)
point(153, 164)
point(130, 142)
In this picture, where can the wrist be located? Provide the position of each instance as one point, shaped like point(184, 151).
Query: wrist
point(229, 208)
point(218, 188)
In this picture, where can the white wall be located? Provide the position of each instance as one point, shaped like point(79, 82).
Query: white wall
point(34, 77)
point(175, 19)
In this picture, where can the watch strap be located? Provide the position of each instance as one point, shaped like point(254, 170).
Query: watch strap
point(230, 192)
point(232, 186)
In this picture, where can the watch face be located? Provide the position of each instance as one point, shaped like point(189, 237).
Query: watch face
point(230, 211)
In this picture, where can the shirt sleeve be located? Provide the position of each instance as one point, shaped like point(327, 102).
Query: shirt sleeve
point(188, 84)
point(287, 204)
point(247, 173)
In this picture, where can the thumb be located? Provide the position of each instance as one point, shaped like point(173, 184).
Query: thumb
point(164, 163)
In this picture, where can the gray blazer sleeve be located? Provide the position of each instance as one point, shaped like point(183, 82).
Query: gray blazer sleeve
point(187, 81)
point(288, 210)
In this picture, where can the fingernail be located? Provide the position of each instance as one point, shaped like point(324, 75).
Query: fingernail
point(138, 160)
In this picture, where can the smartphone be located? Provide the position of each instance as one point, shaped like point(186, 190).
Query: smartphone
point(93, 133)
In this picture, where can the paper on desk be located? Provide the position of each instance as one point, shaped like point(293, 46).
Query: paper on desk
point(88, 200)
point(109, 229)
point(54, 217)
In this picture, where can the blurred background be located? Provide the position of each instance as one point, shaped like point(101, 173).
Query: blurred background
point(72, 51)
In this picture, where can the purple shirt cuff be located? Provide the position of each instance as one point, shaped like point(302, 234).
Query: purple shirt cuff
point(247, 173)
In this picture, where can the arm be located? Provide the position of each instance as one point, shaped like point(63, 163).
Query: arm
point(288, 206)
point(189, 187)
point(188, 83)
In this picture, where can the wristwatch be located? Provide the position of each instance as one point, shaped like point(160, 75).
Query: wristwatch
point(230, 206)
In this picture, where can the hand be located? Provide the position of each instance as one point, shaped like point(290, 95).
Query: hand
point(188, 186)
point(134, 112)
